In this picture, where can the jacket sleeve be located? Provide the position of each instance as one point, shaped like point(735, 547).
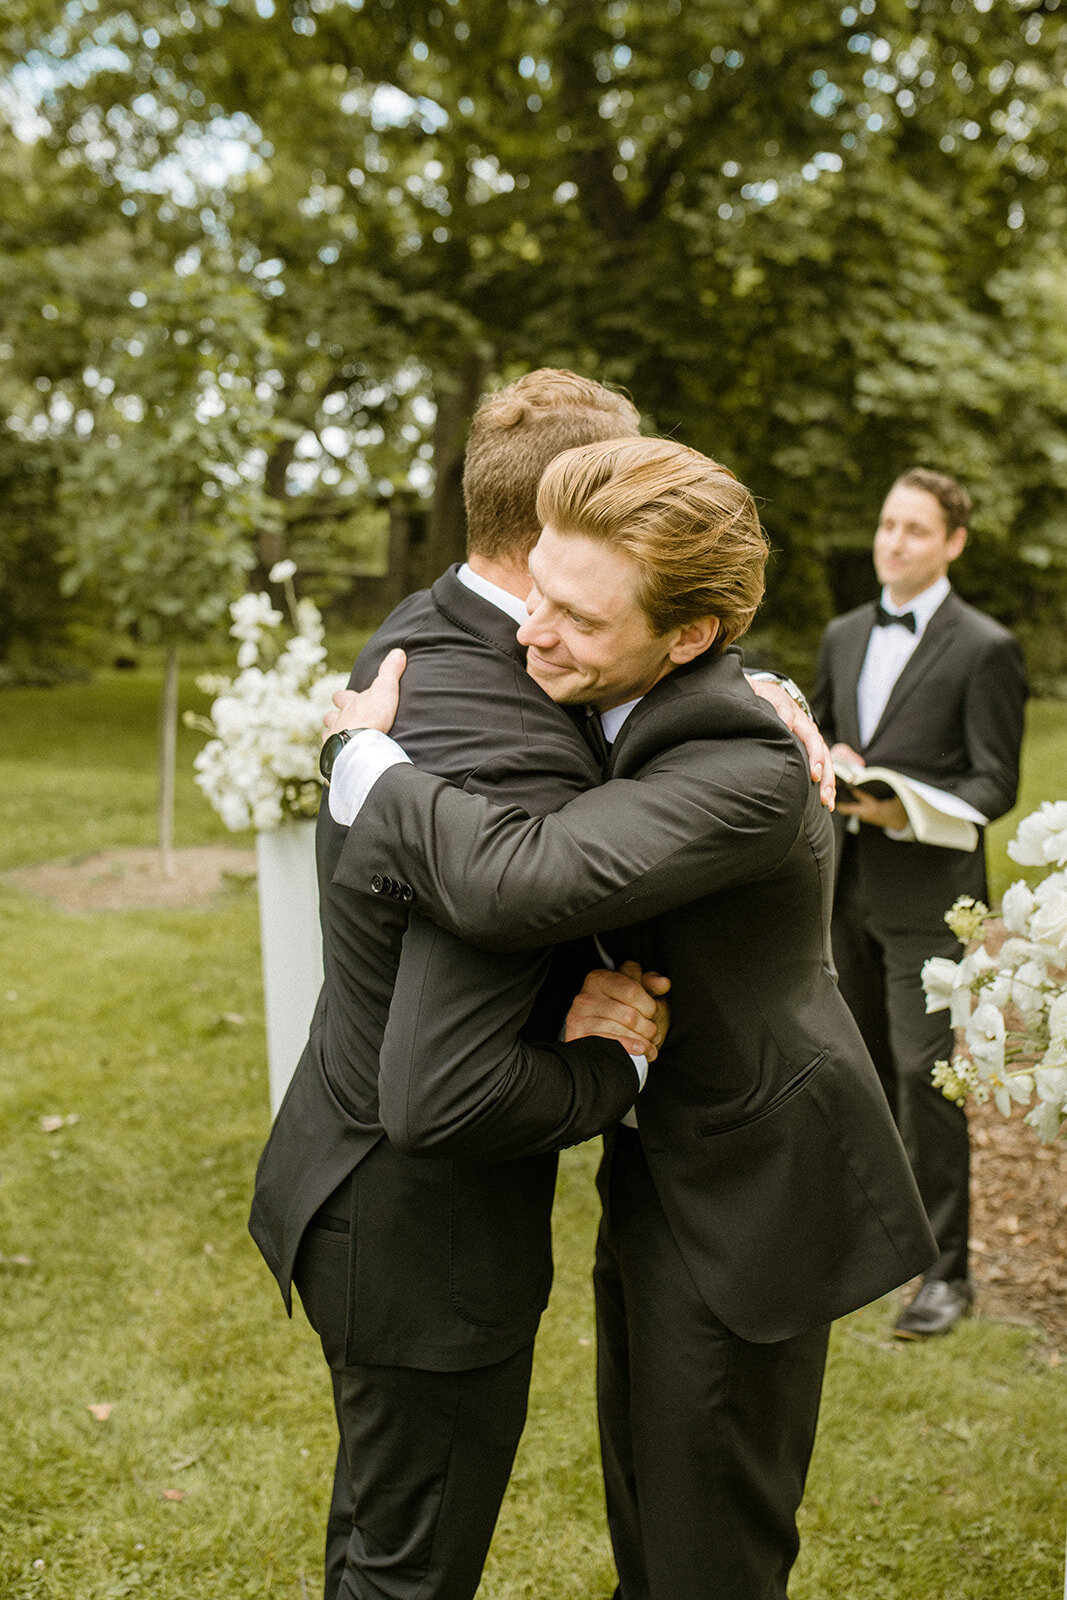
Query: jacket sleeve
point(457, 1078)
point(462, 1073)
point(994, 710)
point(703, 817)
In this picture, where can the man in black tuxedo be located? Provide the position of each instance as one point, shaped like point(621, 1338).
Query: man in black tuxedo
point(924, 684)
point(761, 1188)
point(424, 1278)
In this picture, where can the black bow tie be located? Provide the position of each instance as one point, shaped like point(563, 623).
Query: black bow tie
point(885, 619)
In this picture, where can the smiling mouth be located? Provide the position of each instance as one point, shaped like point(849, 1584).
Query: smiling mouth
point(543, 661)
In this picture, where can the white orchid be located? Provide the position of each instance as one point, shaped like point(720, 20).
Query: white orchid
point(1041, 838)
point(1048, 921)
point(986, 1035)
point(1012, 1006)
point(261, 764)
point(939, 980)
point(1017, 906)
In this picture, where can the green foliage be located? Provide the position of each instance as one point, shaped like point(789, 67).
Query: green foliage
point(820, 243)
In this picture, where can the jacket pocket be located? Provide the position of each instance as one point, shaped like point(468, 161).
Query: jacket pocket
point(708, 1130)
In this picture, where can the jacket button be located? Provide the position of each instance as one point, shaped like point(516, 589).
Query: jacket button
point(377, 884)
point(407, 893)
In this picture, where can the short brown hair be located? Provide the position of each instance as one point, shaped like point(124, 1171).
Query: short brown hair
point(951, 496)
point(692, 528)
point(515, 433)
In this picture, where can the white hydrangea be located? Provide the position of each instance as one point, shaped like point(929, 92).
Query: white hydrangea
point(261, 763)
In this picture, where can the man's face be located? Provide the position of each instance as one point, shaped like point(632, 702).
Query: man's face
point(588, 641)
point(912, 545)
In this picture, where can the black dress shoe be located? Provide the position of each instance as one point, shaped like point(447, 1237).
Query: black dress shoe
point(938, 1306)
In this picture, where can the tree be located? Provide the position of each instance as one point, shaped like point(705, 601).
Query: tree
point(805, 237)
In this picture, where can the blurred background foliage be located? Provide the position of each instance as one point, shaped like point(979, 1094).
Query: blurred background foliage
point(258, 258)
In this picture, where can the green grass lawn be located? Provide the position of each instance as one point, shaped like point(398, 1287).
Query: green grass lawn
point(128, 1280)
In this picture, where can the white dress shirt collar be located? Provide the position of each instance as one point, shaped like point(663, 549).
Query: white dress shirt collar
point(503, 599)
point(612, 721)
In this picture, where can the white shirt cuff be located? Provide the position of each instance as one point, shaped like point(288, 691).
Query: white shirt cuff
point(357, 769)
point(641, 1063)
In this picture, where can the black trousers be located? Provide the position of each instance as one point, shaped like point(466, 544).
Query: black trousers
point(705, 1437)
point(424, 1456)
point(880, 976)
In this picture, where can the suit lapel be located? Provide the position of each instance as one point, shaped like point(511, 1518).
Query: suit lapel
point(706, 698)
point(937, 636)
point(853, 651)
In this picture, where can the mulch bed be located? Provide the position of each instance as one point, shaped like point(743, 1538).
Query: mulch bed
point(1018, 1223)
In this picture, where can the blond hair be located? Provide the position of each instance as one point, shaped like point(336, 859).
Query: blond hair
point(691, 527)
point(515, 433)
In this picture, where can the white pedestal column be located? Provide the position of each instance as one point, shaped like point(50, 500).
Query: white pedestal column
point(292, 945)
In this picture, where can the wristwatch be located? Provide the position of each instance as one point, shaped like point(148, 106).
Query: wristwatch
point(331, 749)
point(795, 693)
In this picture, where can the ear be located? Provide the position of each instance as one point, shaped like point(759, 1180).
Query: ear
point(693, 640)
point(956, 541)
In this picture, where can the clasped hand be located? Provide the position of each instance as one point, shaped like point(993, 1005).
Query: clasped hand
point(626, 1004)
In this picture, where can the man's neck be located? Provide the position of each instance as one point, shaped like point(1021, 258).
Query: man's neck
point(514, 576)
point(923, 598)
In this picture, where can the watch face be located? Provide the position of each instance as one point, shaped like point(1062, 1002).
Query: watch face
point(330, 751)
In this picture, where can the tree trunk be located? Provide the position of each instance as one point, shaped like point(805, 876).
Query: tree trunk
point(168, 746)
point(447, 525)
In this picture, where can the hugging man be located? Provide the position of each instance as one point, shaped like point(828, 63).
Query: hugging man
point(760, 1189)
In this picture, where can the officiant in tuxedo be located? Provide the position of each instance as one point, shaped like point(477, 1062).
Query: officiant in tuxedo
point(923, 683)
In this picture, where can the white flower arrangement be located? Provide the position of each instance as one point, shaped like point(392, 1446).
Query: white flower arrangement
point(1012, 1004)
point(261, 765)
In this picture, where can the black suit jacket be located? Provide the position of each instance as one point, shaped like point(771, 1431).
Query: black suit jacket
point(955, 720)
point(768, 1136)
point(451, 1259)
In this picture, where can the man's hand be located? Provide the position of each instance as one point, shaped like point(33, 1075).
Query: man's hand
point(626, 1004)
point(798, 722)
point(878, 813)
point(845, 752)
point(370, 708)
point(857, 803)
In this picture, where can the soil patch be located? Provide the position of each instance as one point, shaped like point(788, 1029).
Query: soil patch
point(122, 880)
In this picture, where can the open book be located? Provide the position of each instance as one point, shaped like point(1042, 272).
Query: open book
point(936, 817)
